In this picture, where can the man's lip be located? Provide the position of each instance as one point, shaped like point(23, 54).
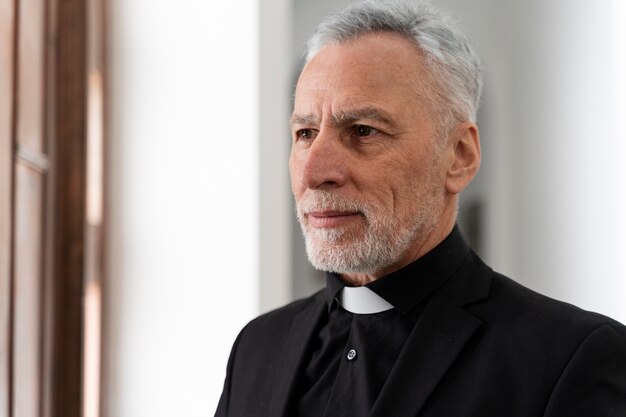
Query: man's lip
point(331, 213)
point(331, 218)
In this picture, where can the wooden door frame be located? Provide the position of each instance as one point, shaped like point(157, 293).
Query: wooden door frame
point(72, 242)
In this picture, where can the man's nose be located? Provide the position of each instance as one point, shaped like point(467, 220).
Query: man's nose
point(325, 163)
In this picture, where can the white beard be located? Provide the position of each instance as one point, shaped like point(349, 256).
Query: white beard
point(380, 241)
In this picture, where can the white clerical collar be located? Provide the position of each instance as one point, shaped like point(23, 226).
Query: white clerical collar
point(362, 300)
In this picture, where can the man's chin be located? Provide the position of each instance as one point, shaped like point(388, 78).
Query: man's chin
point(340, 256)
point(332, 239)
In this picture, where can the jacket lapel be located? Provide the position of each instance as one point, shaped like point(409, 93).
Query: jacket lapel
point(440, 334)
point(302, 330)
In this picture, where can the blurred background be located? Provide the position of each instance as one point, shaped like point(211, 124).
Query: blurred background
point(184, 219)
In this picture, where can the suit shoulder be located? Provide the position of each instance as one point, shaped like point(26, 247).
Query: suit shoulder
point(540, 335)
point(529, 308)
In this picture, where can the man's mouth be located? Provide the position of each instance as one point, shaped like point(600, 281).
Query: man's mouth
point(329, 219)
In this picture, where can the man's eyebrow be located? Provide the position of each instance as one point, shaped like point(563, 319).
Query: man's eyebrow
point(343, 118)
point(302, 119)
point(355, 115)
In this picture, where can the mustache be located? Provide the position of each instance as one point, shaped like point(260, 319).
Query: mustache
point(325, 200)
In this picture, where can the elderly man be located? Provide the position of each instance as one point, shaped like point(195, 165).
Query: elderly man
point(411, 322)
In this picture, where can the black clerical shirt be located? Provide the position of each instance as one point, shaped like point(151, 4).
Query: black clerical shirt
point(353, 354)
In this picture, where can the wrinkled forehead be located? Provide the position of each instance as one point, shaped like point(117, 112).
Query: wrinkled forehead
point(378, 69)
point(380, 64)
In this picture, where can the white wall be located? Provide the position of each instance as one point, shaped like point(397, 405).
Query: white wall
point(183, 203)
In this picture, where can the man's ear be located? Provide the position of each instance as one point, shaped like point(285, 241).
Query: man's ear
point(464, 157)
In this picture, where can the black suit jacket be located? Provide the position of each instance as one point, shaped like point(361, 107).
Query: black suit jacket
point(483, 346)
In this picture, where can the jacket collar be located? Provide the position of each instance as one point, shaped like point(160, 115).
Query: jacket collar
point(406, 288)
point(439, 336)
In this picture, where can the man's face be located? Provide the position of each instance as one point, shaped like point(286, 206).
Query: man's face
point(366, 166)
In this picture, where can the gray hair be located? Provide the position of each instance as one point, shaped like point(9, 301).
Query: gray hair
point(453, 67)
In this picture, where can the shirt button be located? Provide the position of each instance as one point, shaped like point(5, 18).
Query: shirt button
point(351, 354)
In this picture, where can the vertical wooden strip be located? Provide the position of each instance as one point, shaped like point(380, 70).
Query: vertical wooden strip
point(31, 59)
point(70, 163)
point(48, 365)
point(7, 63)
point(28, 222)
point(29, 194)
point(92, 327)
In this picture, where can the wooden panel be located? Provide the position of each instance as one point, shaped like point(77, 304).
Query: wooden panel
point(48, 365)
point(30, 74)
point(43, 143)
point(7, 28)
point(69, 191)
point(29, 194)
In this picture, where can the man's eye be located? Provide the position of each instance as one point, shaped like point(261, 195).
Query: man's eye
point(305, 134)
point(362, 130)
